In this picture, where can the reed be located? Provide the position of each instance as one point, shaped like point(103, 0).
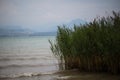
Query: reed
point(94, 46)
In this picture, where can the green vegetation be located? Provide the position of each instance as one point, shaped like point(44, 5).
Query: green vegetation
point(94, 46)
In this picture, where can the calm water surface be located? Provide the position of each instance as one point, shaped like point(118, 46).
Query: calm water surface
point(30, 58)
point(26, 56)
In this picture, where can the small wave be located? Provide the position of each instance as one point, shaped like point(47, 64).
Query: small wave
point(23, 58)
point(20, 75)
point(16, 65)
point(25, 75)
point(27, 58)
point(63, 77)
point(27, 65)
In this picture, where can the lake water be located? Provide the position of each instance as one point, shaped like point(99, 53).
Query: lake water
point(26, 56)
point(30, 58)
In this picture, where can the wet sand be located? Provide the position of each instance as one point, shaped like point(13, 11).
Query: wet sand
point(77, 75)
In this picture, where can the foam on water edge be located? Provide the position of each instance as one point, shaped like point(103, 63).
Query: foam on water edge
point(29, 74)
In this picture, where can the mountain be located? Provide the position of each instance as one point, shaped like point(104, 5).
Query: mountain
point(23, 32)
point(51, 31)
point(14, 32)
point(43, 34)
point(76, 22)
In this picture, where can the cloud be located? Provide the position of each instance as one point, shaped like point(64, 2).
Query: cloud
point(45, 13)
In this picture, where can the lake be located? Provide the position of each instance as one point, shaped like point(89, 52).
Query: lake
point(30, 58)
point(26, 56)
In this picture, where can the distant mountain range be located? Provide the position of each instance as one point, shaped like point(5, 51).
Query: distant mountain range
point(14, 32)
point(24, 32)
point(43, 34)
point(18, 31)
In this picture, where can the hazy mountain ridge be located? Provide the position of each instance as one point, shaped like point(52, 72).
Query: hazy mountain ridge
point(76, 22)
point(24, 33)
point(14, 32)
point(18, 31)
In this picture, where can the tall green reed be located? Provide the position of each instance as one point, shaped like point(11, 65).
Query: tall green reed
point(94, 46)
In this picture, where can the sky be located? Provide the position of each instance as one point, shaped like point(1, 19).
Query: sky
point(43, 15)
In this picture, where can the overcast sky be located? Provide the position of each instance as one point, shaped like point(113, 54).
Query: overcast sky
point(44, 14)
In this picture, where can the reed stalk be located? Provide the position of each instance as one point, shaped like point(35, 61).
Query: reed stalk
point(94, 46)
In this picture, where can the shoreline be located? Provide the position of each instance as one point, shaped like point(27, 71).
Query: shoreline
point(68, 75)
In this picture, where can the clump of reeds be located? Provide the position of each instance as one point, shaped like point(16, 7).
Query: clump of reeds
point(94, 46)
